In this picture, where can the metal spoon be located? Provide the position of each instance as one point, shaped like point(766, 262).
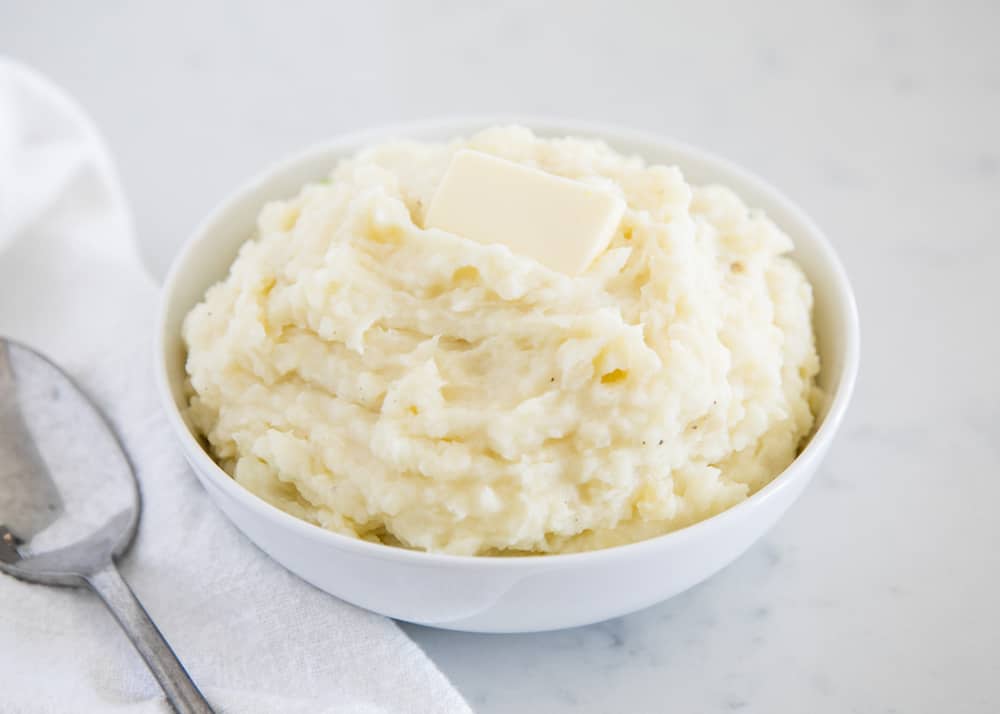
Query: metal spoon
point(69, 504)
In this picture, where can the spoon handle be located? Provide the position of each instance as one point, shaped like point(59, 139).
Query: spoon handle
point(181, 691)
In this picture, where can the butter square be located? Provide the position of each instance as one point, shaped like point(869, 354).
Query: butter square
point(562, 223)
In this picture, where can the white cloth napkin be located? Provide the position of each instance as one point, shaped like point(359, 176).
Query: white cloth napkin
point(254, 637)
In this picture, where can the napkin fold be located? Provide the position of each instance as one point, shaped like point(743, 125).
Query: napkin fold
point(254, 637)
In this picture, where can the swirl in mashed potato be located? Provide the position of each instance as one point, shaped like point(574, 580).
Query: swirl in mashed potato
point(417, 388)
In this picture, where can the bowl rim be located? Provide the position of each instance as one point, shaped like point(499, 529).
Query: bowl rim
point(207, 469)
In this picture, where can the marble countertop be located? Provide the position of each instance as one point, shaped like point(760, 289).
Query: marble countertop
point(879, 591)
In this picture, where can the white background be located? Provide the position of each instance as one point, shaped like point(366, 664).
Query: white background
point(879, 591)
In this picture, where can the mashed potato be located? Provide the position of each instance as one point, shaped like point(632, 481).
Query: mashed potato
point(414, 387)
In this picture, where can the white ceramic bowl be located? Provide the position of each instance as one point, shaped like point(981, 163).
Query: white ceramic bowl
point(515, 594)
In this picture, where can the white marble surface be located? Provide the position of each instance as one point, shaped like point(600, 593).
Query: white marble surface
point(879, 591)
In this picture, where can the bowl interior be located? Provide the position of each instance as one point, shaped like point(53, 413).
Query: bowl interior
point(207, 256)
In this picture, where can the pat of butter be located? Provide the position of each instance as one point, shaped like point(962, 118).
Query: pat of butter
point(559, 222)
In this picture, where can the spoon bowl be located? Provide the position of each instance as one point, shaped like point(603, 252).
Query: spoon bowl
point(67, 482)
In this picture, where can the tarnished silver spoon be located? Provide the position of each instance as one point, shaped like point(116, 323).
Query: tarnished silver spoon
point(69, 504)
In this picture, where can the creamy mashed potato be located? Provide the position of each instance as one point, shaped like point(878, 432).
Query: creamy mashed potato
point(417, 388)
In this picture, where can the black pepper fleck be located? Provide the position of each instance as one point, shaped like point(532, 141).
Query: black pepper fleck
point(661, 442)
